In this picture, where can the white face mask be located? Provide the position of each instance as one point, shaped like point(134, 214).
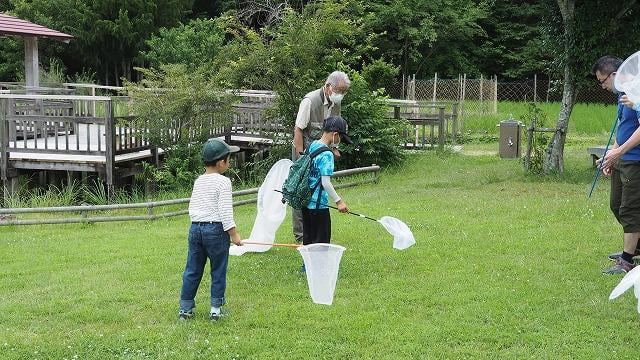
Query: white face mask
point(335, 97)
point(334, 145)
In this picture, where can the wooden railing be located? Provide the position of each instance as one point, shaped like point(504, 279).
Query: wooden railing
point(431, 123)
point(9, 216)
point(66, 124)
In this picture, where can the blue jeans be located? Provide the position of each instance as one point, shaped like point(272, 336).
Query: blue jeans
point(206, 240)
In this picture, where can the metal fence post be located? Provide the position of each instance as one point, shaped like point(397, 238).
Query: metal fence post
point(495, 95)
point(435, 86)
point(481, 91)
point(535, 88)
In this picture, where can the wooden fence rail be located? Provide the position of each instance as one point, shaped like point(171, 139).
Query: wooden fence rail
point(85, 209)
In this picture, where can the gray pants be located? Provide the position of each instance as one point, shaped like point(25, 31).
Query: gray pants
point(296, 219)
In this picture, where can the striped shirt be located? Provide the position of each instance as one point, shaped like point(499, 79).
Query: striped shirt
point(211, 200)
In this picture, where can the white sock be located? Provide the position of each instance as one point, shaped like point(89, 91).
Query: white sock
point(215, 310)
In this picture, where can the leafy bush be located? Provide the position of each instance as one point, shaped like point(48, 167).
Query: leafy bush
point(178, 105)
point(192, 44)
point(296, 56)
point(536, 118)
point(377, 136)
point(379, 74)
point(182, 165)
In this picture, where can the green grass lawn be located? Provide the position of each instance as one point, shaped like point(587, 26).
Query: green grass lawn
point(505, 266)
point(590, 119)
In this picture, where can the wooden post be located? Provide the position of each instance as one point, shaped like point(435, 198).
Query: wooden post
point(31, 68)
point(535, 87)
point(227, 133)
point(527, 157)
point(396, 111)
point(4, 154)
point(454, 120)
point(435, 86)
point(110, 143)
point(464, 93)
point(93, 93)
point(441, 129)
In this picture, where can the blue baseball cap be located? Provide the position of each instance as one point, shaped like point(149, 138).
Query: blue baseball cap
point(339, 125)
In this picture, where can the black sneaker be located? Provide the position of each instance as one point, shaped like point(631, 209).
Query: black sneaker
point(618, 255)
point(621, 267)
point(185, 314)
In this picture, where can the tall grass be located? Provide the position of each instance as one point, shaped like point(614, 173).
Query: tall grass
point(586, 119)
point(28, 196)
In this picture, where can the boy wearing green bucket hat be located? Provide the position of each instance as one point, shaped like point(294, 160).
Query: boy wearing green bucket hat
point(212, 227)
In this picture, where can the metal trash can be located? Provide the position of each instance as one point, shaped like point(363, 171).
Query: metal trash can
point(510, 138)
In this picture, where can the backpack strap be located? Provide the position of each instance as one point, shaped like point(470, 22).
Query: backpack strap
point(315, 153)
point(318, 151)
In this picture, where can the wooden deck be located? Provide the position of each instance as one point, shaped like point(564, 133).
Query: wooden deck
point(83, 134)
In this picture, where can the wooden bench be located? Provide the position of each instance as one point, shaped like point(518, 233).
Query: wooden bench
point(596, 153)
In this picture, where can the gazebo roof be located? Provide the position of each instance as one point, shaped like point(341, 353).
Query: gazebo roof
point(10, 25)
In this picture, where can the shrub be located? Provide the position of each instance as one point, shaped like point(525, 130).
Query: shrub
point(178, 105)
point(191, 44)
point(379, 74)
point(377, 136)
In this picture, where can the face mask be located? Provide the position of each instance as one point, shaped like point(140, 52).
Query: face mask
point(334, 145)
point(335, 97)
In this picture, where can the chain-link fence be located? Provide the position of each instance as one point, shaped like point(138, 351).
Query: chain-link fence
point(481, 96)
point(546, 90)
point(475, 96)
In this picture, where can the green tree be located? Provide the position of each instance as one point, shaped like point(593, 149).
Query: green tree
point(425, 36)
point(193, 44)
point(109, 33)
point(582, 33)
point(514, 43)
point(295, 57)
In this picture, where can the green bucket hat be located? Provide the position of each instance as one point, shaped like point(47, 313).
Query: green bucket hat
point(215, 149)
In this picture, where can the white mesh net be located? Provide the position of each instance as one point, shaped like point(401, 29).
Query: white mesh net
point(271, 211)
point(322, 263)
point(631, 279)
point(627, 78)
point(402, 235)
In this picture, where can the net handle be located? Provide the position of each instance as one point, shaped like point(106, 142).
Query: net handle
point(274, 244)
point(333, 207)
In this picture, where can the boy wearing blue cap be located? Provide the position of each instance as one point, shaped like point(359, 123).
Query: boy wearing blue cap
point(212, 227)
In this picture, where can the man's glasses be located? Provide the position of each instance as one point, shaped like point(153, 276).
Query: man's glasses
point(603, 80)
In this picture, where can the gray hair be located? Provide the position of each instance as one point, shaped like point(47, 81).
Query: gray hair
point(338, 77)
